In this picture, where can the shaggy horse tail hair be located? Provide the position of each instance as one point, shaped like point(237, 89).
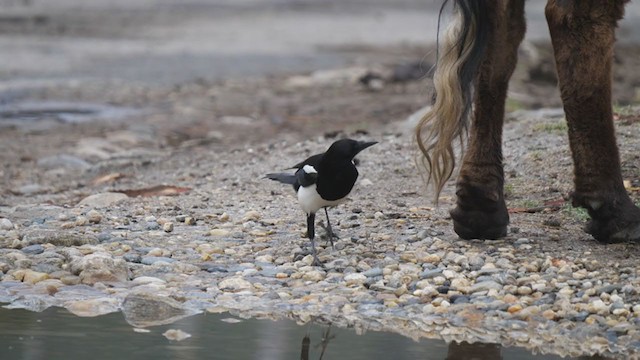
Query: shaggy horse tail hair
point(457, 64)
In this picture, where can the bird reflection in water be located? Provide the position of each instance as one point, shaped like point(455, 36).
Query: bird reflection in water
point(455, 350)
point(324, 342)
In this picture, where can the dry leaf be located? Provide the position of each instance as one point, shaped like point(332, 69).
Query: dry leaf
point(108, 178)
point(159, 190)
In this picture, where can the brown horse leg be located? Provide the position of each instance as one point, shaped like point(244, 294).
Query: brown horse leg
point(481, 211)
point(583, 34)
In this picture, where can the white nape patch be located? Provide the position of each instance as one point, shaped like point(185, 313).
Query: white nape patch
point(311, 202)
point(309, 169)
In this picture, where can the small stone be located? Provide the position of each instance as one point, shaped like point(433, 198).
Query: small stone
point(150, 260)
point(514, 308)
point(219, 232)
point(598, 307)
point(94, 217)
point(524, 290)
point(431, 259)
point(81, 221)
point(152, 225)
point(234, 284)
point(355, 279)
point(33, 249)
point(32, 277)
point(429, 274)
point(549, 314)
point(143, 280)
point(251, 215)
point(373, 272)
point(509, 299)
point(189, 220)
point(102, 200)
point(100, 267)
point(5, 224)
point(224, 217)
point(151, 309)
point(313, 275)
point(485, 286)
point(264, 258)
point(167, 227)
point(176, 335)
point(93, 307)
point(67, 225)
point(620, 312)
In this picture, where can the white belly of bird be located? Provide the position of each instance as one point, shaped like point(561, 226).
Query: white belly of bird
point(312, 202)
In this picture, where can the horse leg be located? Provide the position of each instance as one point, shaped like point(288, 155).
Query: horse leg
point(583, 35)
point(480, 208)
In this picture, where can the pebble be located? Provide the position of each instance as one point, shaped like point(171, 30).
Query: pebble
point(6, 224)
point(485, 286)
point(219, 232)
point(102, 200)
point(32, 277)
point(94, 217)
point(167, 227)
point(93, 307)
point(251, 215)
point(81, 221)
point(373, 272)
point(152, 225)
point(100, 267)
point(33, 249)
point(355, 279)
point(234, 284)
point(150, 260)
point(524, 290)
point(176, 335)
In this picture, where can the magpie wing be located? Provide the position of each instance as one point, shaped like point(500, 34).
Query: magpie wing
point(306, 176)
point(282, 177)
point(312, 160)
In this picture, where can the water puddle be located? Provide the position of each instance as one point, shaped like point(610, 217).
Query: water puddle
point(26, 113)
point(57, 334)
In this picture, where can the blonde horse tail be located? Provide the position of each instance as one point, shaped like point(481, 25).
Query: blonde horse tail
point(458, 61)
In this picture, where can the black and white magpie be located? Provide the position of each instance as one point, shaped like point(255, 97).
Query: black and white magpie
point(324, 180)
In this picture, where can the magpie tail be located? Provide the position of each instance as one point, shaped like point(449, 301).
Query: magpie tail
point(282, 177)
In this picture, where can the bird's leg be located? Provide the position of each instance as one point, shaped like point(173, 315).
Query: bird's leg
point(330, 233)
point(311, 232)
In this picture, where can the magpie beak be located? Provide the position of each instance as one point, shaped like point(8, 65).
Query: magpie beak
point(324, 180)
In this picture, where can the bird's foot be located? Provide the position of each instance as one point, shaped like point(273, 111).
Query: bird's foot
point(330, 235)
point(317, 262)
point(306, 252)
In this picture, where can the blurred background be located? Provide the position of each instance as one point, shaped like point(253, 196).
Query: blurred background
point(220, 67)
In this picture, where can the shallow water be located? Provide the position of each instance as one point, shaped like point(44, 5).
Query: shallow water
point(57, 334)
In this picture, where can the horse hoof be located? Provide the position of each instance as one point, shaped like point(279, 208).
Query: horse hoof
point(480, 225)
point(481, 212)
point(613, 221)
point(613, 231)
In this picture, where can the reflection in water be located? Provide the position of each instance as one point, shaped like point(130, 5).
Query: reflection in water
point(475, 351)
point(306, 343)
point(56, 334)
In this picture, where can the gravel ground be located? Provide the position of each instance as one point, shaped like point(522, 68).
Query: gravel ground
point(166, 208)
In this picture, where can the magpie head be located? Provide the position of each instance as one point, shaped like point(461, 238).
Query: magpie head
point(348, 148)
